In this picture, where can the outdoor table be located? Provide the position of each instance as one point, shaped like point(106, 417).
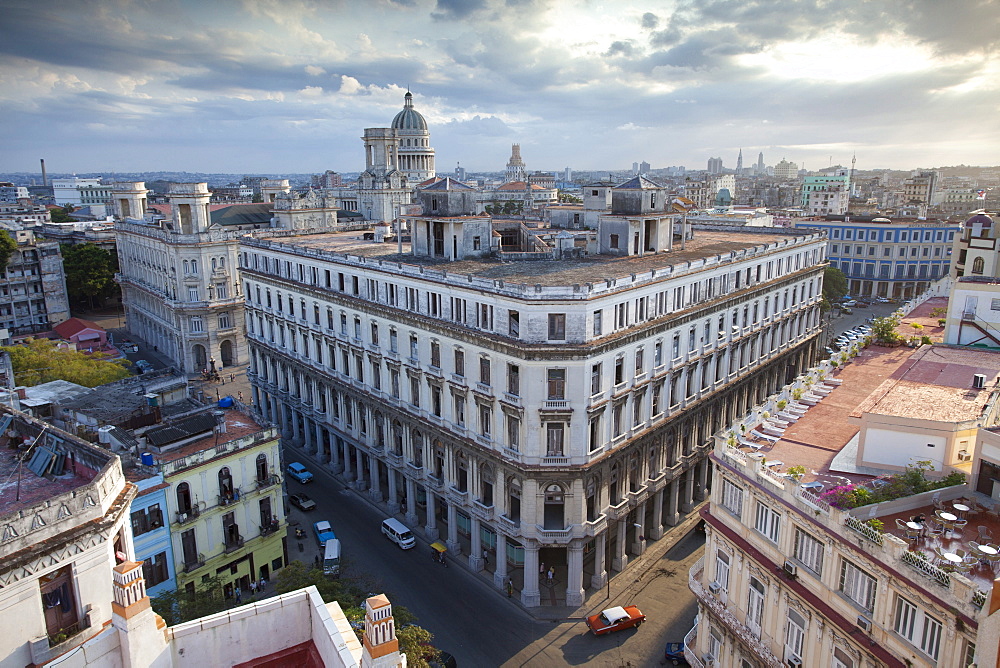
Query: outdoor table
point(953, 558)
point(960, 507)
point(947, 516)
point(986, 549)
point(914, 526)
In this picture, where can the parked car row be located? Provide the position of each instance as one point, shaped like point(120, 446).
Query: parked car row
point(849, 337)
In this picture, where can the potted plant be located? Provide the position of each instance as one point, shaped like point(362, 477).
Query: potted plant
point(876, 524)
point(781, 404)
point(796, 472)
point(797, 393)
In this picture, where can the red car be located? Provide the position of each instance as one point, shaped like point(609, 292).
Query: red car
point(615, 619)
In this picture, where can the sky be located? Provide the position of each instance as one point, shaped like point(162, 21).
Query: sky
point(288, 86)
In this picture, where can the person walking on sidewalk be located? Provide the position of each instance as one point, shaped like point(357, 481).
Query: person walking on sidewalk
point(551, 574)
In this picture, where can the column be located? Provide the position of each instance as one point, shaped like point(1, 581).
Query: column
point(701, 490)
point(411, 501)
point(321, 449)
point(600, 576)
point(307, 436)
point(500, 574)
point(375, 491)
point(255, 393)
point(574, 574)
point(336, 464)
point(359, 468)
point(296, 434)
point(348, 471)
point(688, 499)
point(286, 430)
point(656, 531)
point(393, 492)
point(453, 545)
point(672, 490)
point(620, 559)
point(639, 546)
point(430, 528)
point(530, 596)
point(476, 547)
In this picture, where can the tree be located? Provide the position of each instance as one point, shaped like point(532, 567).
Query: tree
point(62, 215)
point(834, 284)
point(90, 273)
point(7, 247)
point(40, 361)
point(178, 606)
point(884, 330)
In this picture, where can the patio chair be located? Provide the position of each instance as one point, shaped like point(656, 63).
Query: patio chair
point(959, 526)
point(753, 445)
point(960, 552)
point(964, 568)
point(984, 534)
point(835, 381)
point(939, 506)
point(757, 434)
point(900, 524)
point(934, 529)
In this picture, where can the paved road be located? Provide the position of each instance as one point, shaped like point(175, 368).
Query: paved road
point(842, 323)
point(468, 618)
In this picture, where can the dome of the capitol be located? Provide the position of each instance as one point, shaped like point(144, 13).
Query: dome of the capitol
point(409, 118)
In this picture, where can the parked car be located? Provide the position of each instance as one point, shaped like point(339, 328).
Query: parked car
point(128, 348)
point(846, 311)
point(883, 300)
point(863, 304)
point(324, 532)
point(299, 472)
point(615, 619)
point(143, 366)
point(302, 502)
point(848, 303)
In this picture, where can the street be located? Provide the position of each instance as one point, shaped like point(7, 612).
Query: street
point(470, 619)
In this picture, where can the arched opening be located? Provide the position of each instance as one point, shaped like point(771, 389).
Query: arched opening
point(226, 494)
point(614, 484)
point(461, 473)
point(184, 499)
point(261, 467)
point(200, 358)
point(554, 507)
point(514, 500)
point(397, 439)
point(226, 352)
point(486, 478)
point(438, 460)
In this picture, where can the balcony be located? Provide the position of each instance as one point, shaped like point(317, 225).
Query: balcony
point(617, 511)
point(267, 481)
point(553, 536)
point(233, 545)
point(194, 564)
point(270, 528)
point(435, 481)
point(188, 516)
point(510, 525)
point(482, 511)
point(690, 648)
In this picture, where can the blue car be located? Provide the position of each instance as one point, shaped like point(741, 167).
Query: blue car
point(324, 532)
point(299, 472)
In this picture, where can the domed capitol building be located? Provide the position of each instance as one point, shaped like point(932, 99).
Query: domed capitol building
point(416, 157)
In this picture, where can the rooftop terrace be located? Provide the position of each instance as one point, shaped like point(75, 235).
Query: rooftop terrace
point(706, 244)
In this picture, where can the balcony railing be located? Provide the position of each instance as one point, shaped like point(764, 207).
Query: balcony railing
point(233, 545)
point(267, 481)
point(194, 564)
point(190, 514)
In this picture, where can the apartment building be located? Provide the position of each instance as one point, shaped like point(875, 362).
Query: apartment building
point(826, 194)
point(809, 557)
point(33, 286)
point(65, 525)
point(553, 407)
point(974, 306)
point(883, 258)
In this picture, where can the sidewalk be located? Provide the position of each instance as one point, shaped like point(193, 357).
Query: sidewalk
point(596, 599)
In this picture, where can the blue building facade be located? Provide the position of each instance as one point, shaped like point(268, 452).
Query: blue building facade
point(888, 259)
point(151, 535)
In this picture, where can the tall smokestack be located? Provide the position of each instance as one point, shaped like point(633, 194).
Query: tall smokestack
point(45, 180)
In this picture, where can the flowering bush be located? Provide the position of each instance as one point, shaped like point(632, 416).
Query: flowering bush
point(888, 487)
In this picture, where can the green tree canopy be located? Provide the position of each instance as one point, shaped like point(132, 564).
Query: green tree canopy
point(7, 247)
point(62, 215)
point(39, 361)
point(90, 273)
point(834, 284)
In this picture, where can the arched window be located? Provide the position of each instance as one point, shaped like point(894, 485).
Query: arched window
point(183, 498)
point(222, 263)
point(978, 265)
point(226, 493)
point(261, 467)
point(187, 267)
point(214, 264)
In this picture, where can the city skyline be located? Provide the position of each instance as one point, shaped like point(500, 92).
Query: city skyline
point(201, 87)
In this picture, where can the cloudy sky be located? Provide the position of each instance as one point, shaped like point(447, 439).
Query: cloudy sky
point(288, 85)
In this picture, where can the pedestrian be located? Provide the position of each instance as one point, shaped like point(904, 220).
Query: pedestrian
point(541, 569)
point(241, 396)
point(262, 584)
point(232, 378)
point(510, 588)
point(223, 380)
point(486, 558)
point(253, 587)
point(239, 595)
point(551, 574)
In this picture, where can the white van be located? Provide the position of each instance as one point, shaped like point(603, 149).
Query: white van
point(331, 558)
point(397, 532)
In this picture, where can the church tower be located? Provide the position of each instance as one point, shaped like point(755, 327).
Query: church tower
point(739, 163)
point(515, 166)
point(381, 648)
point(383, 188)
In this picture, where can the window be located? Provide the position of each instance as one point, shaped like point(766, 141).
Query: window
point(225, 321)
point(755, 606)
point(640, 365)
point(556, 383)
point(154, 569)
point(978, 266)
point(460, 410)
point(595, 377)
point(857, 585)
point(192, 294)
point(435, 354)
point(614, 241)
point(808, 551)
point(513, 379)
point(795, 632)
point(514, 323)
point(917, 627)
point(485, 420)
point(414, 347)
point(147, 519)
point(554, 439)
point(767, 522)
point(842, 659)
point(658, 354)
point(597, 322)
point(619, 370)
point(197, 324)
point(732, 497)
point(557, 326)
point(513, 431)
point(722, 569)
point(596, 441)
point(484, 370)
point(393, 340)
point(459, 363)
point(616, 419)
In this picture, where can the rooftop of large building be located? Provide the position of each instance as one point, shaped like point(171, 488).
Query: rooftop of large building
point(198, 433)
point(568, 271)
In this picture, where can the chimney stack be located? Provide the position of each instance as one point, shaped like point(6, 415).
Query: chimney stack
point(45, 180)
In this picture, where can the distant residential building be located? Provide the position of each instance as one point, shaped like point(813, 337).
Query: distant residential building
point(33, 286)
point(715, 165)
point(958, 201)
point(70, 190)
point(328, 179)
point(786, 170)
point(567, 175)
point(887, 258)
point(644, 167)
point(921, 187)
point(11, 193)
point(974, 304)
point(826, 194)
point(25, 213)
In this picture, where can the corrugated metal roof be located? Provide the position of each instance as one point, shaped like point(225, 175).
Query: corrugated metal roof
point(180, 430)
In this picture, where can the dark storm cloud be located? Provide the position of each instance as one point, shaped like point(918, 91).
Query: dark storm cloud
point(620, 49)
point(650, 21)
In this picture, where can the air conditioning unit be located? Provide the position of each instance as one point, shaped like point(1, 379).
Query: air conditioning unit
point(979, 381)
point(964, 456)
point(791, 568)
point(793, 662)
point(708, 659)
point(714, 587)
point(865, 624)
